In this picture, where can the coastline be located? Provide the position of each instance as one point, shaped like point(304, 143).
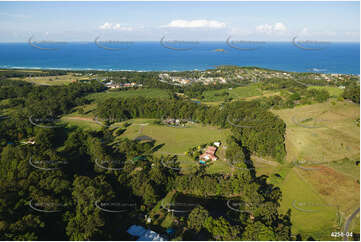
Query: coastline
point(126, 70)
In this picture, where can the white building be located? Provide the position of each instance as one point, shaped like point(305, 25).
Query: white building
point(217, 144)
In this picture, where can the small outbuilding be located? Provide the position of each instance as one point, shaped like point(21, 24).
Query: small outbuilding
point(144, 234)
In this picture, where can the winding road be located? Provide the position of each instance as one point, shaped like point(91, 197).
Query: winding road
point(348, 222)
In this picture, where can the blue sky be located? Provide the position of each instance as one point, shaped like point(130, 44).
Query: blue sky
point(199, 21)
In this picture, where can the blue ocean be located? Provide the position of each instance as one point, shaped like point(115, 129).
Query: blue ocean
point(153, 56)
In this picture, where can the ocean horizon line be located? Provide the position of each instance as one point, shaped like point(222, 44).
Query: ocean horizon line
point(129, 70)
point(201, 41)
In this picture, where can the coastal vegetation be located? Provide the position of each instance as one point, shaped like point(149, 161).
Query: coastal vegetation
point(73, 151)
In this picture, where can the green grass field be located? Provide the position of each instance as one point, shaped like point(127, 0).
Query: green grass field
point(84, 123)
point(52, 80)
point(311, 215)
point(176, 140)
point(321, 132)
point(334, 187)
point(235, 93)
point(333, 91)
point(144, 92)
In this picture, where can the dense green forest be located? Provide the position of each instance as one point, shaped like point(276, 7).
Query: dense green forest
point(73, 187)
point(59, 175)
point(51, 189)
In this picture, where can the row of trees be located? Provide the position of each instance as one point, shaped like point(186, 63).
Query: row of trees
point(256, 128)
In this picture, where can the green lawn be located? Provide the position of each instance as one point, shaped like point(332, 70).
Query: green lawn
point(176, 140)
point(144, 92)
point(235, 93)
point(311, 216)
point(81, 123)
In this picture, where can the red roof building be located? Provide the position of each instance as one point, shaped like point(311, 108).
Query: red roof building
point(209, 154)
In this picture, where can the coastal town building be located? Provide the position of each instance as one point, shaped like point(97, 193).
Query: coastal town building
point(112, 85)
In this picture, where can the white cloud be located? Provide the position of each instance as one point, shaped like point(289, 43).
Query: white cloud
point(108, 25)
point(123, 28)
point(200, 23)
point(305, 31)
point(279, 27)
point(272, 28)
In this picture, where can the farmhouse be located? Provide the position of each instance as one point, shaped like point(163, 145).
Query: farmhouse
point(209, 154)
